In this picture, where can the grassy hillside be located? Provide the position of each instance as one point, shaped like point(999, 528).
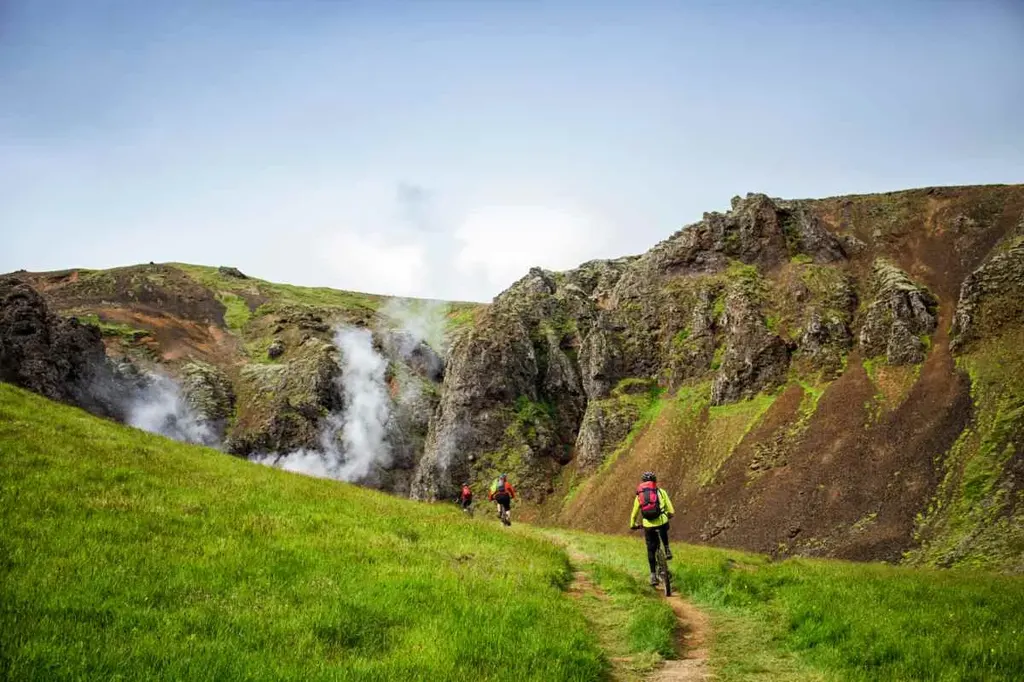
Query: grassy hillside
point(124, 554)
point(812, 619)
point(127, 556)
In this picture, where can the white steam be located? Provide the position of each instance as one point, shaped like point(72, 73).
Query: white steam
point(421, 321)
point(352, 442)
point(158, 406)
point(366, 404)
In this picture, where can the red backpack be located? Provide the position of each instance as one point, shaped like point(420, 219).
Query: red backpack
point(650, 501)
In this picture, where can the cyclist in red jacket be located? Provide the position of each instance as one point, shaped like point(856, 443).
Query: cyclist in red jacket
point(466, 498)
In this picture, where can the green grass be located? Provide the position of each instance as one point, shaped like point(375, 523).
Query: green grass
point(282, 294)
point(236, 310)
point(727, 426)
point(636, 629)
point(803, 619)
point(125, 332)
point(126, 556)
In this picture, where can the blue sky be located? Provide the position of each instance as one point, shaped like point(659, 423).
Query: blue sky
point(442, 148)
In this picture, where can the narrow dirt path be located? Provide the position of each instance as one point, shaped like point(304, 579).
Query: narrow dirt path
point(692, 645)
point(694, 630)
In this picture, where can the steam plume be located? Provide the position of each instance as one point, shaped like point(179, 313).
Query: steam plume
point(352, 442)
point(158, 406)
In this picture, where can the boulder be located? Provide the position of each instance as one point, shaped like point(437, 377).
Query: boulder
point(231, 272)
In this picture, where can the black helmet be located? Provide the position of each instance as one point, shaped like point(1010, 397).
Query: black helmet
point(648, 476)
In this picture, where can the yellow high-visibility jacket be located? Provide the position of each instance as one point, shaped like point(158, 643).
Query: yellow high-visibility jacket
point(666, 509)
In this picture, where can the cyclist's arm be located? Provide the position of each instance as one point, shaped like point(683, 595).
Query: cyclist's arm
point(636, 512)
point(668, 503)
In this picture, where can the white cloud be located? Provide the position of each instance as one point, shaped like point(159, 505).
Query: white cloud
point(502, 242)
point(377, 263)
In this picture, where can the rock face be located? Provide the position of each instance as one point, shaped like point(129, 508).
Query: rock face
point(992, 296)
point(608, 421)
point(901, 314)
point(228, 271)
point(533, 385)
point(285, 402)
point(754, 359)
point(210, 394)
point(53, 356)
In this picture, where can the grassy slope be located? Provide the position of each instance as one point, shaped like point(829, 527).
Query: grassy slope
point(122, 553)
point(126, 554)
point(229, 291)
point(806, 619)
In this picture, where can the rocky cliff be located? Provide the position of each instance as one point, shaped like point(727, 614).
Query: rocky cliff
point(838, 377)
point(785, 366)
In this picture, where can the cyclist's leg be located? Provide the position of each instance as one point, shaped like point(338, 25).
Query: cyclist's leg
point(663, 533)
point(651, 538)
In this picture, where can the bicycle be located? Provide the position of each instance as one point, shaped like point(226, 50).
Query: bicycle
point(661, 566)
point(505, 515)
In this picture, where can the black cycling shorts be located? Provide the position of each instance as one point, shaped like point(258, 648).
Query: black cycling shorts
point(504, 500)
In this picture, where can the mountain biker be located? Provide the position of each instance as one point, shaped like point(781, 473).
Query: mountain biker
point(466, 497)
point(653, 506)
point(502, 493)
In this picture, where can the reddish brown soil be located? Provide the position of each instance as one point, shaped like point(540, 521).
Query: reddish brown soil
point(184, 318)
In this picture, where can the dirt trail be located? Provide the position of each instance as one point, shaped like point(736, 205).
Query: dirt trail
point(694, 630)
point(694, 636)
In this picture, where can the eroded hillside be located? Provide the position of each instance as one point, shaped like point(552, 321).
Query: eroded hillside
point(840, 377)
point(788, 369)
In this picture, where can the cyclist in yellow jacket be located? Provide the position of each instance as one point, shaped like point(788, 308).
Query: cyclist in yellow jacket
point(653, 506)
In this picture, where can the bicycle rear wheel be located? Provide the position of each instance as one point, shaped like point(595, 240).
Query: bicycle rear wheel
point(663, 574)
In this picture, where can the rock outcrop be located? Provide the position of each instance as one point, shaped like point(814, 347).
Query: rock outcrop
point(755, 359)
point(54, 356)
point(210, 394)
point(565, 341)
point(898, 318)
point(286, 401)
point(992, 296)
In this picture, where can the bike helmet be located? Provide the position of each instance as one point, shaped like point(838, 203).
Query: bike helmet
point(503, 476)
point(648, 476)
